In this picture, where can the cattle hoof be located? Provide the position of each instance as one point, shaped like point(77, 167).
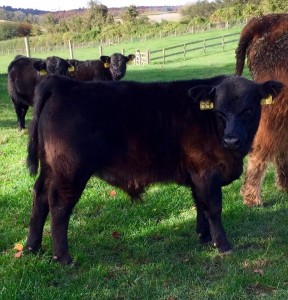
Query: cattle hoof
point(250, 203)
point(32, 249)
point(67, 260)
point(227, 252)
point(204, 239)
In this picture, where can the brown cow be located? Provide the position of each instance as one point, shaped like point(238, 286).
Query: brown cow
point(264, 41)
point(132, 134)
point(24, 74)
point(106, 68)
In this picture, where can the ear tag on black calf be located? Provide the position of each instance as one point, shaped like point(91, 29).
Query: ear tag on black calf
point(43, 72)
point(71, 69)
point(267, 101)
point(206, 104)
point(106, 65)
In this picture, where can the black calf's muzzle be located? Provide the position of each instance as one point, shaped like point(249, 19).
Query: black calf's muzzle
point(231, 142)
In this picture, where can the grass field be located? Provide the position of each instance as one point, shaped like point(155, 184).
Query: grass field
point(156, 254)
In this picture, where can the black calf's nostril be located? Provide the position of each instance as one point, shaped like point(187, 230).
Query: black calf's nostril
point(231, 143)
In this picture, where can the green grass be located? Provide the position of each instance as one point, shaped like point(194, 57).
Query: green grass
point(157, 255)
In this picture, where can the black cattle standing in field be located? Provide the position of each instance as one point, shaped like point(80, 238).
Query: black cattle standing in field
point(23, 75)
point(133, 134)
point(106, 68)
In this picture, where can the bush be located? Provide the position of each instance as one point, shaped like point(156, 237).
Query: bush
point(8, 30)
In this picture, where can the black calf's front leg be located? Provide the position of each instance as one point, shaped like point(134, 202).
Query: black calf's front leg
point(202, 224)
point(208, 198)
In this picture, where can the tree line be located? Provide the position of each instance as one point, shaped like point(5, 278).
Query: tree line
point(97, 22)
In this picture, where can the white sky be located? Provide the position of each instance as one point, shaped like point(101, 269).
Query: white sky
point(53, 5)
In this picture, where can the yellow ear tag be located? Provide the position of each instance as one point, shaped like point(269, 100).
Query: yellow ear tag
point(206, 104)
point(267, 101)
point(129, 62)
point(43, 72)
point(71, 69)
point(106, 65)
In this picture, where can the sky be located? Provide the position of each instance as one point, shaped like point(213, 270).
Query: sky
point(54, 5)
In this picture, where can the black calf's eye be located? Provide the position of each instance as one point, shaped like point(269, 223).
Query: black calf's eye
point(247, 112)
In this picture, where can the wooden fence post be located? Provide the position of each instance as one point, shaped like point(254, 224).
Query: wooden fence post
point(71, 49)
point(100, 51)
point(27, 46)
point(223, 42)
point(148, 56)
point(204, 47)
point(184, 51)
point(164, 56)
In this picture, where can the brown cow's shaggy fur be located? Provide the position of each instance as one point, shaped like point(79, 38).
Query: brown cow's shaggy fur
point(264, 41)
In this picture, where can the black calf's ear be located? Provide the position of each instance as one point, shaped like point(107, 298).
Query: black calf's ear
point(73, 62)
point(204, 95)
point(130, 58)
point(270, 90)
point(106, 60)
point(40, 66)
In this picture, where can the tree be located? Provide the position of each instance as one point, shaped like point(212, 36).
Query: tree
point(201, 10)
point(50, 23)
point(274, 6)
point(8, 30)
point(96, 15)
point(130, 14)
point(24, 29)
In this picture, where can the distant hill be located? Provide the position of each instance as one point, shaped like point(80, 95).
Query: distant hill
point(24, 10)
point(113, 10)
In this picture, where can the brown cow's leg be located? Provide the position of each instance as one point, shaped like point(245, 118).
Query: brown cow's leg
point(282, 172)
point(63, 196)
point(39, 214)
point(251, 189)
point(208, 197)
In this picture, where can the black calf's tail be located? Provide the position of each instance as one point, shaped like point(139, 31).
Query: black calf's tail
point(33, 143)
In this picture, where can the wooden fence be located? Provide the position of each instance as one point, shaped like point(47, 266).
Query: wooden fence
point(173, 53)
point(183, 51)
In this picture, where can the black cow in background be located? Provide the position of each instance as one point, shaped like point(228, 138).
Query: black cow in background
point(23, 75)
point(132, 134)
point(106, 68)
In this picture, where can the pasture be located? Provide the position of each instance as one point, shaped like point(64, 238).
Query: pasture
point(148, 250)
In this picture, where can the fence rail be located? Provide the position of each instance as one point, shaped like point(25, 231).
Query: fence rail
point(182, 50)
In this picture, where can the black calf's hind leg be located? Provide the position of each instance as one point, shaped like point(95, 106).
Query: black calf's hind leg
point(63, 197)
point(21, 110)
point(39, 214)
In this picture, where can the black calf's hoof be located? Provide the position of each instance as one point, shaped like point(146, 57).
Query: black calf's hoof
point(204, 239)
point(66, 260)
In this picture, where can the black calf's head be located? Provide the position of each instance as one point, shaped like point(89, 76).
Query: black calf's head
point(237, 105)
point(117, 64)
point(53, 65)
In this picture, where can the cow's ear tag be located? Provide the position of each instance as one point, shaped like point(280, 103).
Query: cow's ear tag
point(106, 65)
point(129, 62)
point(71, 69)
point(43, 72)
point(206, 104)
point(267, 101)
